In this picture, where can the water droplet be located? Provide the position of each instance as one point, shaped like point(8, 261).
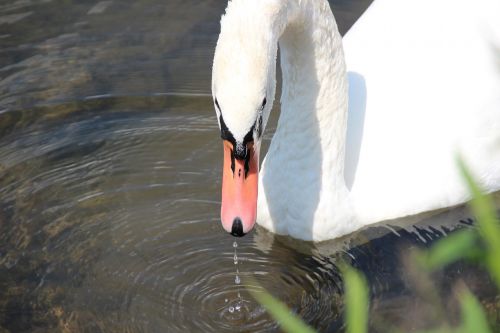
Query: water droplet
point(231, 309)
point(235, 259)
point(237, 280)
point(235, 244)
point(237, 307)
point(226, 300)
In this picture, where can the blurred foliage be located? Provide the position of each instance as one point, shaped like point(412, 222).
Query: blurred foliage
point(488, 224)
point(480, 245)
point(356, 299)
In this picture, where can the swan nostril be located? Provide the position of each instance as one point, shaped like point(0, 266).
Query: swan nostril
point(237, 229)
point(240, 151)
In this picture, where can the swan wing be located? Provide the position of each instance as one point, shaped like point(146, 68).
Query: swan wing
point(424, 80)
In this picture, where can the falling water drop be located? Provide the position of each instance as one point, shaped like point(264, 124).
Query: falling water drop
point(237, 279)
point(237, 305)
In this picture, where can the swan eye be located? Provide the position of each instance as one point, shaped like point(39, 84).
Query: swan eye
point(217, 103)
point(263, 103)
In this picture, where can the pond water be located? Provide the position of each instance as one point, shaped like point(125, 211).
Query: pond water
point(110, 176)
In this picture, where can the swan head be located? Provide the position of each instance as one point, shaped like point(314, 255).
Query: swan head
point(243, 88)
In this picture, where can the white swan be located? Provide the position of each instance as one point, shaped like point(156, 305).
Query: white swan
point(424, 84)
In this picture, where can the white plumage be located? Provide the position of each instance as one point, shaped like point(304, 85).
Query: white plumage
point(422, 84)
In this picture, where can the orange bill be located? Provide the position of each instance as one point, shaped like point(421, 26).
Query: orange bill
point(239, 190)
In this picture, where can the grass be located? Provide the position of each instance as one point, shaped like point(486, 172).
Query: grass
point(356, 298)
point(480, 245)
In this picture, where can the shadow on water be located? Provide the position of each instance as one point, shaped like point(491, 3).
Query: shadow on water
point(399, 296)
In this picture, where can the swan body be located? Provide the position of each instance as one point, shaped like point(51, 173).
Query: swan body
point(368, 136)
point(432, 90)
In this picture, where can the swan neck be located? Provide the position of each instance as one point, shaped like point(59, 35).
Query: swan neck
point(314, 94)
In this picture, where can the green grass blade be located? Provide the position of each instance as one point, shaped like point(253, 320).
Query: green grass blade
point(289, 322)
point(474, 318)
point(356, 299)
point(484, 209)
point(456, 246)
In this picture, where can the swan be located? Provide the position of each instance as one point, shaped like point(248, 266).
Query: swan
point(370, 124)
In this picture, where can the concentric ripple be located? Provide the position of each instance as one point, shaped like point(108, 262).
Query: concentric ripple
point(110, 220)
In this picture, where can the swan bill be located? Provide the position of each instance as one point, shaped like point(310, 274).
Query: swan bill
point(239, 189)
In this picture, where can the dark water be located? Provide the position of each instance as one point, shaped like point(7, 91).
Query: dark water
point(109, 188)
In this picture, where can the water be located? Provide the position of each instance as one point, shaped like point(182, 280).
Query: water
point(110, 176)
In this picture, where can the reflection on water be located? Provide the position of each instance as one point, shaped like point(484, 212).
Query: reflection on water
point(110, 179)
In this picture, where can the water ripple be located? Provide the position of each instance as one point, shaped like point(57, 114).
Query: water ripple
point(123, 208)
